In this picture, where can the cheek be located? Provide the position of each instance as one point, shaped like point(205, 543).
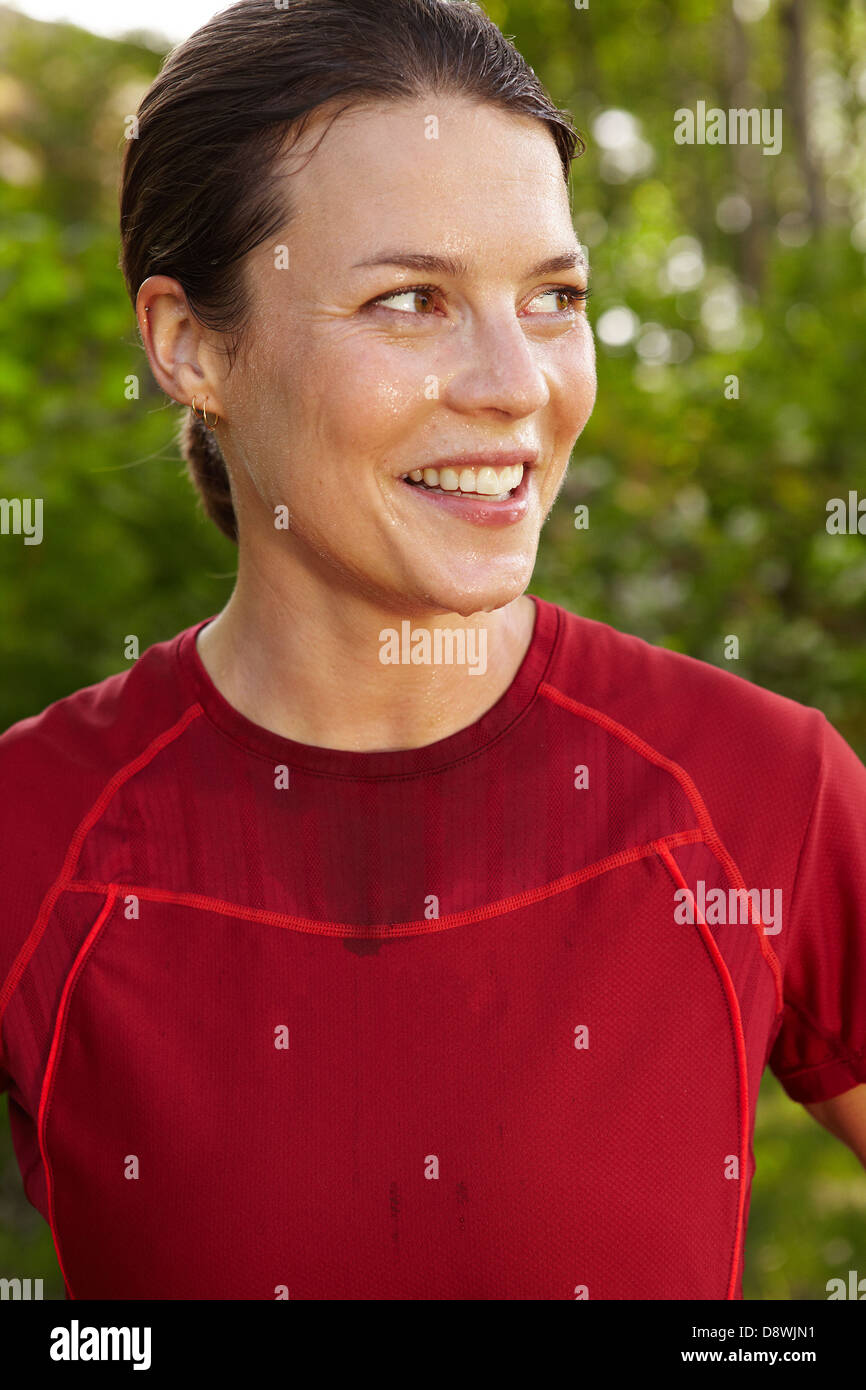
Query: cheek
point(576, 379)
point(365, 397)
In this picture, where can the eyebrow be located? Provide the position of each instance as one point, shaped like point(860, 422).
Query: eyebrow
point(457, 269)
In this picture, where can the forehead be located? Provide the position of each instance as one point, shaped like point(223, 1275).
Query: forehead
point(444, 171)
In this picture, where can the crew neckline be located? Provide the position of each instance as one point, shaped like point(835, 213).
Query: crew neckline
point(401, 762)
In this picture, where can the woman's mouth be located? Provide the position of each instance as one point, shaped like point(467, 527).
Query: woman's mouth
point(492, 484)
point(484, 495)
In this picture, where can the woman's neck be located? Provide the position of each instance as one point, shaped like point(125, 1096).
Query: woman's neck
point(319, 671)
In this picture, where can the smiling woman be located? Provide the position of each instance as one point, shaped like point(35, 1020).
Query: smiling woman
point(329, 975)
point(349, 380)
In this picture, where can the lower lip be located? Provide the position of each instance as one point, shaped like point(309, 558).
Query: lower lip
point(480, 510)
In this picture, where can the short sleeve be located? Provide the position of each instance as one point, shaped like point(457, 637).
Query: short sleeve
point(820, 1049)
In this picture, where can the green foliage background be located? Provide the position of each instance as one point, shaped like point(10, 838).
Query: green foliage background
point(707, 515)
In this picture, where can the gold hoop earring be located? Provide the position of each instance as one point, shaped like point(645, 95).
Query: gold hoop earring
point(203, 415)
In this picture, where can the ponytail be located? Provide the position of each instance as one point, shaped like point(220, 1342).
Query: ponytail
point(207, 469)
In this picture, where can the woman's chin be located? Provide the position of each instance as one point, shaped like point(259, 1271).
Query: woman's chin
point(479, 596)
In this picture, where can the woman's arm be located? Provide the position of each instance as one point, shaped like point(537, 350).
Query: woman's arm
point(845, 1116)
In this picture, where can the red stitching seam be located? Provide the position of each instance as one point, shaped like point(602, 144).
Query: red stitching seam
point(19, 965)
point(411, 928)
point(742, 1068)
point(47, 1093)
point(710, 836)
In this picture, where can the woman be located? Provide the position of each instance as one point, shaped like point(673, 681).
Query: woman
point(394, 934)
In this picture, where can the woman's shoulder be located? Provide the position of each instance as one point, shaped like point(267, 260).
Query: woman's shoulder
point(92, 727)
point(750, 752)
point(680, 698)
point(776, 780)
point(57, 766)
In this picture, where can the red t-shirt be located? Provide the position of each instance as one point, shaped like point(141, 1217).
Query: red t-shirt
point(480, 1020)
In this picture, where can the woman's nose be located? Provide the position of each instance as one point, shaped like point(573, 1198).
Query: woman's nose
point(497, 368)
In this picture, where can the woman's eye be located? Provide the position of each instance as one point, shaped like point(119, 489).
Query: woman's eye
point(423, 295)
point(569, 293)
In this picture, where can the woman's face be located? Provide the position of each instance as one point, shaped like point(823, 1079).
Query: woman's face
point(342, 393)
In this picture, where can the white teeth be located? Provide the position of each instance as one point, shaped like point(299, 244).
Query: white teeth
point(483, 482)
point(487, 482)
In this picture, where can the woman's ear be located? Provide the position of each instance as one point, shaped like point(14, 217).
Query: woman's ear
point(177, 345)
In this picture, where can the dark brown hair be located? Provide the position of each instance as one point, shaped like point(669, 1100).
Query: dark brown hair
point(199, 187)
